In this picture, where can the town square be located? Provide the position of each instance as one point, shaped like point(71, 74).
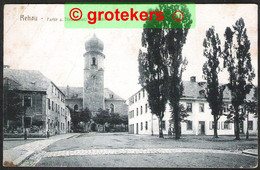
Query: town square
point(148, 97)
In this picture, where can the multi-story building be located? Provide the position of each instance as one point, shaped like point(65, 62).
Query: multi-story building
point(200, 120)
point(44, 101)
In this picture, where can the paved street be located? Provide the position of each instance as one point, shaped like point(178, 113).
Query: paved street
point(125, 150)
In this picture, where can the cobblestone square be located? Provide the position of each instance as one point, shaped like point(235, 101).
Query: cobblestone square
point(125, 150)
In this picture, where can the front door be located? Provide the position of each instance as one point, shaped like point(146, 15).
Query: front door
point(136, 128)
point(201, 128)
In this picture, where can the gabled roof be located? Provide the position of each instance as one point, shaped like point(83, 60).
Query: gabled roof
point(110, 95)
point(196, 90)
point(27, 80)
point(74, 92)
point(77, 92)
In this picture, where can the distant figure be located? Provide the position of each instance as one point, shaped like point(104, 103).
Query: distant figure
point(48, 134)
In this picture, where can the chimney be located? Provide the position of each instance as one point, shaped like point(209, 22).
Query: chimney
point(6, 66)
point(67, 91)
point(193, 78)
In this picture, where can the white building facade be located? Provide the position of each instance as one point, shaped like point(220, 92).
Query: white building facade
point(200, 120)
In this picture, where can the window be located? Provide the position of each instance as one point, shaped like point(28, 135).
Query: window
point(49, 104)
point(27, 101)
point(163, 125)
point(112, 107)
point(146, 125)
point(131, 114)
point(139, 94)
point(189, 107)
point(146, 106)
point(227, 125)
point(136, 98)
point(52, 105)
point(141, 125)
point(136, 111)
point(189, 125)
point(141, 110)
point(201, 107)
point(143, 93)
point(250, 125)
point(225, 108)
point(93, 61)
point(211, 125)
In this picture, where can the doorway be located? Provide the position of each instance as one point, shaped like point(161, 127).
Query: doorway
point(201, 127)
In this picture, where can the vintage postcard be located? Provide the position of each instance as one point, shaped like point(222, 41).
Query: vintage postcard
point(130, 85)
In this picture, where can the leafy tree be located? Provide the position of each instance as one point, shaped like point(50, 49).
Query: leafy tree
point(153, 71)
point(175, 38)
point(13, 109)
point(115, 119)
point(124, 120)
point(182, 118)
point(102, 117)
point(211, 68)
point(237, 60)
point(79, 118)
point(162, 65)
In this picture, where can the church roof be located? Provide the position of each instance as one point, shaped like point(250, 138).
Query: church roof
point(77, 92)
point(26, 80)
point(94, 44)
point(110, 95)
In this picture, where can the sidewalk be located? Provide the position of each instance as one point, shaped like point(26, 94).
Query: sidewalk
point(14, 156)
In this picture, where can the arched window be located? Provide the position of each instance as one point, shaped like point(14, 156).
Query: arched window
point(76, 107)
point(93, 61)
point(112, 108)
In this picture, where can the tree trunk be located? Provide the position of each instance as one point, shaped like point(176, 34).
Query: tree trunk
point(236, 123)
point(176, 121)
point(160, 127)
point(247, 133)
point(215, 126)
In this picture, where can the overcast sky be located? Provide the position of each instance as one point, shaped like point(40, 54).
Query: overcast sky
point(58, 52)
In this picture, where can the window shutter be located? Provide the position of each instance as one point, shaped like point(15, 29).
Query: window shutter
point(210, 125)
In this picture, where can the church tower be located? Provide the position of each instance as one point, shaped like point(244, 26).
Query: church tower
point(93, 91)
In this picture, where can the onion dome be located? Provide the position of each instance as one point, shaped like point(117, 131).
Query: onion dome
point(94, 44)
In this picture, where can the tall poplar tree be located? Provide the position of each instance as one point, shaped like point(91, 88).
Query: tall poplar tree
point(211, 68)
point(153, 70)
point(175, 38)
point(237, 60)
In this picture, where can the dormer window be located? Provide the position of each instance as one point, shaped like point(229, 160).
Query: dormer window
point(202, 92)
point(94, 63)
point(111, 96)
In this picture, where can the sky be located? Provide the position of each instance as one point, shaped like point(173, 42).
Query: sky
point(57, 52)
